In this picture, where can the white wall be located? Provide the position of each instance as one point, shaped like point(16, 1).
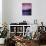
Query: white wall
point(4, 11)
point(0, 13)
point(13, 11)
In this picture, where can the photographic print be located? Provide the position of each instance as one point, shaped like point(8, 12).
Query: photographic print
point(27, 9)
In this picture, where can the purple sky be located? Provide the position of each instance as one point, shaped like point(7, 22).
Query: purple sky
point(26, 6)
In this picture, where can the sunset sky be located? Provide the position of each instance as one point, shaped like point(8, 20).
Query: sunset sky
point(26, 6)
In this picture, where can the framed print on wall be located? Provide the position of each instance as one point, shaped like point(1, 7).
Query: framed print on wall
point(26, 9)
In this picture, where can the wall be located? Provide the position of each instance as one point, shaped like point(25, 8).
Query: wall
point(12, 11)
point(0, 13)
point(16, 13)
point(4, 11)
